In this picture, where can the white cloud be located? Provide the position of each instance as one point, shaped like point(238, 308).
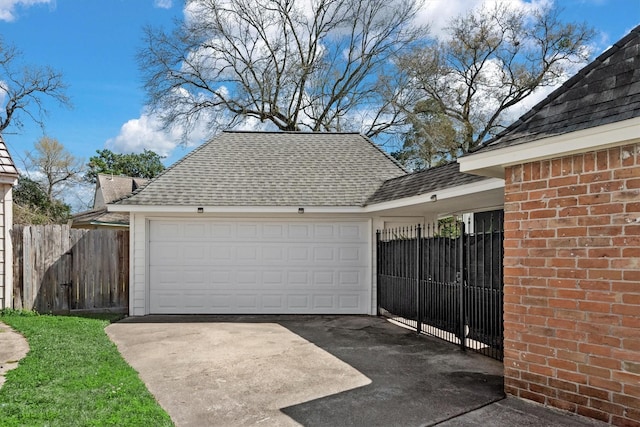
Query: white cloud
point(146, 132)
point(8, 7)
point(142, 133)
point(163, 4)
point(438, 13)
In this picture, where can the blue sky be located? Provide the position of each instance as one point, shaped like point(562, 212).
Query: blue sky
point(94, 43)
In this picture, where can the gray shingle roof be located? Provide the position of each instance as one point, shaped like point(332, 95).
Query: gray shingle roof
point(605, 91)
point(114, 187)
point(422, 182)
point(7, 167)
point(273, 169)
point(100, 216)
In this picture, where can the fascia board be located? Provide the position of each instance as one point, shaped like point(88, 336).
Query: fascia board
point(443, 194)
point(236, 209)
point(491, 162)
point(9, 179)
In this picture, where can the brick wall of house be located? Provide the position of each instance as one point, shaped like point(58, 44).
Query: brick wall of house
point(572, 283)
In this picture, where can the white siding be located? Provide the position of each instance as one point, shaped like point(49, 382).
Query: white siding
point(138, 266)
point(5, 291)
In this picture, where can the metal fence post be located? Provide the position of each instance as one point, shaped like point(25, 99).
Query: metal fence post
point(418, 278)
point(378, 266)
point(460, 278)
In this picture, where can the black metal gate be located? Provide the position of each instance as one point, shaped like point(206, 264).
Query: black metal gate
point(445, 282)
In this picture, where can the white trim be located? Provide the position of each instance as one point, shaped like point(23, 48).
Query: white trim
point(442, 194)
point(493, 162)
point(151, 209)
point(147, 266)
point(8, 179)
point(8, 249)
point(371, 242)
point(132, 266)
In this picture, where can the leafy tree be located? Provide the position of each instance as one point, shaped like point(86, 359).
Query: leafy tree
point(430, 140)
point(32, 205)
point(23, 88)
point(319, 65)
point(143, 165)
point(57, 166)
point(490, 60)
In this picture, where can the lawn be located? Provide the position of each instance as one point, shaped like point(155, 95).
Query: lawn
point(73, 376)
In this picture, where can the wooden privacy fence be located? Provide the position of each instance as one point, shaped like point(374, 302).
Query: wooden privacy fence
point(62, 269)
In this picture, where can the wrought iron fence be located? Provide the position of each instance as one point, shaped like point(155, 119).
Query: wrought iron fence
point(444, 282)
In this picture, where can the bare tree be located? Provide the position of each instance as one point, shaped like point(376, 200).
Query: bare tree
point(315, 65)
point(23, 88)
point(56, 166)
point(491, 59)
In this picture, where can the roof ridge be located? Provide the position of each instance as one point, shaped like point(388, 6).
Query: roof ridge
point(289, 132)
point(180, 161)
point(635, 32)
point(389, 156)
point(421, 171)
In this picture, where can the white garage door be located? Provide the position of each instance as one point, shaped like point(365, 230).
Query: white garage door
point(247, 267)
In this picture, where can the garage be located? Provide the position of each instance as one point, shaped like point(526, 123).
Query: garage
point(218, 266)
point(258, 222)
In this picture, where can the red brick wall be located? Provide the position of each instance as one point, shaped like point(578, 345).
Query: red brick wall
point(572, 283)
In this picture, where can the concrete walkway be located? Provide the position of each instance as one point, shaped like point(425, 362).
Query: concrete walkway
point(13, 348)
point(316, 371)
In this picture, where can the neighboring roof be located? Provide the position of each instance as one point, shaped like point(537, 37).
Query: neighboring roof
point(273, 169)
point(422, 182)
point(605, 91)
point(115, 187)
point(7, 167)
point(101, 217)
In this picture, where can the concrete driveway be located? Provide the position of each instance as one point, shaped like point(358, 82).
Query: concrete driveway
point(302, 370)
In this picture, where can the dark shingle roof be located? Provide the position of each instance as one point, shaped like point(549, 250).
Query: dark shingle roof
point(605, 91)
point(7, 166)
point(426, 181)
point(273, 169)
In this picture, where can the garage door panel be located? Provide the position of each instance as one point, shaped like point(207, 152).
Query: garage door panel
point(272, 278)
point(221, 302)
point(348, 279)
point(195, 254)
point(247, 231)
point(349, 301)
point(323, 302)
point(247, 278)
point(258, 267)
point(323, 278)
point(222, 231)
point(245, 302)
point(219, 254)
point(198, 230)
point(351, 232)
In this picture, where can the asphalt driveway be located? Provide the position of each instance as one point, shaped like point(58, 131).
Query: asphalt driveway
point(303, 370)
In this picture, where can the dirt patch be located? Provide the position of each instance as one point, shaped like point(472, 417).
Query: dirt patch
point(13, 348)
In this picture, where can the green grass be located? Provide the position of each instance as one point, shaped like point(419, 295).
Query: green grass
point(73, 376)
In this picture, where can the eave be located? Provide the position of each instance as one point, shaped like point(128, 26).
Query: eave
point(486, 193)
point(492, 163)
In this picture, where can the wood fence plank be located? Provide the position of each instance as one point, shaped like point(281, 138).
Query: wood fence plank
point(96, 262)
point(18, 283)
point(27, 266)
